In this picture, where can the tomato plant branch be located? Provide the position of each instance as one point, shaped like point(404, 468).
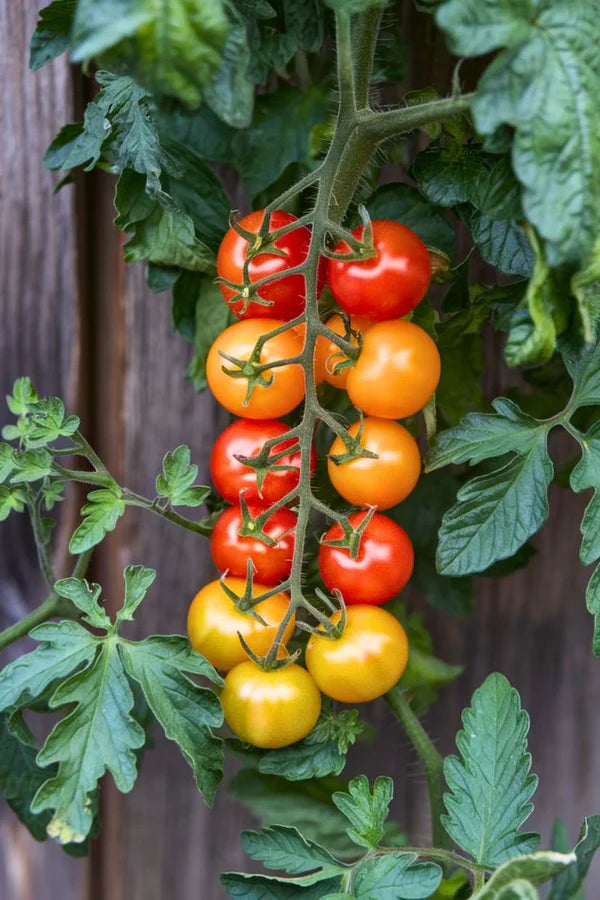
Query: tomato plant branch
point(41, 537)
point(430, 757)
point(364, 39)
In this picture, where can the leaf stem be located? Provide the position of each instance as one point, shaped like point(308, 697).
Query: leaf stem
point(431, 759)
point(204, 526)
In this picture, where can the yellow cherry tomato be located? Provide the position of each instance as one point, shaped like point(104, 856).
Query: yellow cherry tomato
point(365, 662)
point(270, 709)
point(214, 623)
point(382, 482)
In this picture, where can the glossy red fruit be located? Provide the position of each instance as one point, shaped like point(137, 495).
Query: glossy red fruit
point(382, 567)
point(387, 285)
point(230, 552)
point(246, 437)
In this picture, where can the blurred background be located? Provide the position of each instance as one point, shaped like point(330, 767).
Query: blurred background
point(84, 326)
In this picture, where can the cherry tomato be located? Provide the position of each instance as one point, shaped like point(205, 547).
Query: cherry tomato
point(382, 567)
point(381, 482)
point(286, 296)
point(230, 552)
point(270, 709)
point(365, 662)
point(246, 437)
point(330, 353)
point(397, 371)
point(214, 622)
point(286, 389)
point(387, 285)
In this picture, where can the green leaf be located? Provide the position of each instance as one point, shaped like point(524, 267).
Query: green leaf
point(100, 515)
point(535, 868)
point(519, 890)
point(305, 22)
point(283, 847)
point(161, 278)
point(7, 461)
point(544, 85)
point(52, 34)
point(322, 753)
point(99, 734)
point(366, 811)
point(20, 776)
point(404, 204)
point(230, 92)
point(491, 784)
point(395, 875)
point(586, 474)
point(49, 422)
point(567, 883)
point(32, 465)
point(211, 315)
point(186, 712)
point(138, 580)
point(52, 492)
point(85, 597)
point(172, 48)
point(64, 647)
point(177, 481)
point(265, 887)
point(23, 397)
point(585, 287)
point(583, 365)
point(11, 499)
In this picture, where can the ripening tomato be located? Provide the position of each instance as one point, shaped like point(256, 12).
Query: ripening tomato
point(231, 553)
point(246, 437)
point(270, 708)
point(286, 296)
point(382, 567)
point(382, 482)
point(365, 662)
point(330, 353)
point(397, 371)
point(286, 389)
point(214, 622)
point(387, 285)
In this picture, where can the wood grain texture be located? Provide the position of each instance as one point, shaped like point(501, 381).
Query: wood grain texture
point(39, 336)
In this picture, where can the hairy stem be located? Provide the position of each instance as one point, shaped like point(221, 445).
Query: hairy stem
point(431, 759)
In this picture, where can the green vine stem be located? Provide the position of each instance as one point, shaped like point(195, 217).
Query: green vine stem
point(431, 759)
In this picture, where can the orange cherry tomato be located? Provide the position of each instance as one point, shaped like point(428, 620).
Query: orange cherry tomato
point(397, 371)
point(330, 353)
point(214, 623)
point(270, 709)
point(365, 662)
point(382, 482)
point(286, 389)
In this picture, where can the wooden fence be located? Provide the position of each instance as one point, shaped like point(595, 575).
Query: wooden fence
point(83, 326)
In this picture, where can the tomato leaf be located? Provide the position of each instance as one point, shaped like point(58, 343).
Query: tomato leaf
point(201, 300)
point(536, 868)
point(85, 597)
point(567, 884)
point(11, 499)
point(285, 848)
point(138, 579)
point(177, 481)
point(491, 784)
point(322, 753)
point(99, 734)
point(366, 810)
point(186, 712)
point(7, 461)
point(100, 515)
point(394, 875)
point(52, 34)
point(20, 775)
point(31, 465)
point(585, 475)
point(544, 85)
point(267, 887)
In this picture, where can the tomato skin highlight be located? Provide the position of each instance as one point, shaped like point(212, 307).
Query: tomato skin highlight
point(388, 285)
point(329, 354)
point(365, 662)
point(397, 371)
point(246, 437)
point(270, 709)
point(285, 391)
point(230, 552)
point(382, 568)
point(286, 296)
point(381, 482)
point(213, 623)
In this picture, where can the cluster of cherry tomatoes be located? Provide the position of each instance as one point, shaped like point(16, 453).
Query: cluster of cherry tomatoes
point(366, 557)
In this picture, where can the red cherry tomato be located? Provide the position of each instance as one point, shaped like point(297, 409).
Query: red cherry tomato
point(286, 296)
point(387, 285)
point(246, 437)
point(382, 567)
point(230, 552)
